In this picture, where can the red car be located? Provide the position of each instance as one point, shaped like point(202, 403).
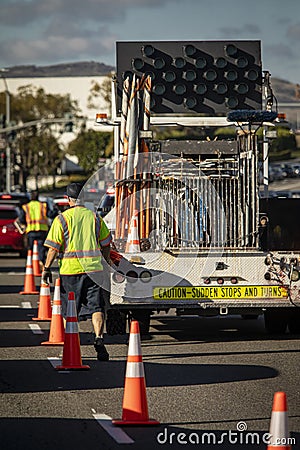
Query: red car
point(11, 240)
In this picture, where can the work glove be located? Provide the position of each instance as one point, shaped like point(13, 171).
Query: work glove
point(47, 276)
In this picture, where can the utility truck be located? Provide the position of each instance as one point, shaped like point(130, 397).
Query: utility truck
point(193, 205)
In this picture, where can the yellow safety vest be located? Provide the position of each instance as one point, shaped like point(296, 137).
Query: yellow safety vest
point(36, 216)
point(77, 235)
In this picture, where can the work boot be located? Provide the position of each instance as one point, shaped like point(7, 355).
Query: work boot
point(102, 353)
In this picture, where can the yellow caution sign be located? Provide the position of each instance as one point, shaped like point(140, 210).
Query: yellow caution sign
point(219, 292)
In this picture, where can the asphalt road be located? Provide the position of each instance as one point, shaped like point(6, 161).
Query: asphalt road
point(213, 375)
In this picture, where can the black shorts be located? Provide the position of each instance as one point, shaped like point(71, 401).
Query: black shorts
point(88, 295)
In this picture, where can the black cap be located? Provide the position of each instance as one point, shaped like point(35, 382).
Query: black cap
point(73, 190)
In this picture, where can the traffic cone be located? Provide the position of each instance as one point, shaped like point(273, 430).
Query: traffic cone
point(279, 424)
point(135, 407)
point(71, 359)
point(29, 285)
point(44, 311)
point(35, 260)
point(57, 330)
point(133, 240)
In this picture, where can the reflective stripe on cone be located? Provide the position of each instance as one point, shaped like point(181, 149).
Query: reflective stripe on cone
point(133, 240)
point(279, 423)
point(35, 260)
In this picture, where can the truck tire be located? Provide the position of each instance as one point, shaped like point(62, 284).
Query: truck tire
point(115, 322)
point(276, 320)
point(143, 317)
point(294, 321)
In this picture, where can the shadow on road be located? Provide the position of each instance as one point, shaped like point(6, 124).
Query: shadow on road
point(40, 376)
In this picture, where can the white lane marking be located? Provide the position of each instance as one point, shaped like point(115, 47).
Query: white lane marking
point(26, 305)
point(9, 306)
point(55, 361)
point(12, 273)
point(35, 328)
point(115, 432)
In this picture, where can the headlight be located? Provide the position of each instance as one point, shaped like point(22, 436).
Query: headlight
point(145, 276)
point(131, 276)
point(295, 275)
point(118, 277)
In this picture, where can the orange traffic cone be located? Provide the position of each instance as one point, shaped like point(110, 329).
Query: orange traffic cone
point(29, 285)
point(57, 330)
point(35, 260)
point(135, 407)
point(71, 353)
point(44, 311)
point(279, 424)
point(133, 240)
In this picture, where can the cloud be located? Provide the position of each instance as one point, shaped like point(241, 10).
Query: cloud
point(22, 13)
point(293, 32)
point(246, 29)
point(64, 29)
point(59, 48)
point(280, 51)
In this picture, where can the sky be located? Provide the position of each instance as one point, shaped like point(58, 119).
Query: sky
point(47, 32)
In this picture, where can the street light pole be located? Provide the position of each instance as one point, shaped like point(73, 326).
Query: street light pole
point(8, 155)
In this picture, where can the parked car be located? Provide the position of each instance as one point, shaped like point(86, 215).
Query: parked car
point(296, 170)
point(287, 168)
point(276, 173)
point(61, 203)
point(11, 239)
point(16, 198)
point(107, 202)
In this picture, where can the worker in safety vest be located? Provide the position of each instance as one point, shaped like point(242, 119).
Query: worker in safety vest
point(35, 216)
point(79, 238)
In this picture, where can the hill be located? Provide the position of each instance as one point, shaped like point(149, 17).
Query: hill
point(284, 90)
point(77, 69)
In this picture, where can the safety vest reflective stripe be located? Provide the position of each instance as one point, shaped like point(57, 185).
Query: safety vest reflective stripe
point(50, 243)
point(82, 254)
point(106, 241)
point(65, 229)
point(97, 227)
point(135, 370)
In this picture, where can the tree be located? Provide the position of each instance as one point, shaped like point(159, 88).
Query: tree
point(36, 149)
point(285, 140)
point(90, 146)
point(100, 91)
